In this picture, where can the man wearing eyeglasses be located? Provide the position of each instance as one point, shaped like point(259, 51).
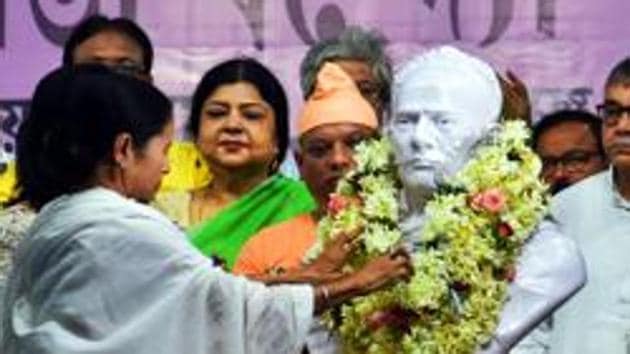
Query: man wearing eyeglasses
point(118, 43)
point(596, 213)
point(123, 46)
point(569, 144)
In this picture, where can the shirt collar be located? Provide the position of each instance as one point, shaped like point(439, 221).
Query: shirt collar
point(618, 200)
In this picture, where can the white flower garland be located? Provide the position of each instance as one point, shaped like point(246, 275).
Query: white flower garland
point(475, 229)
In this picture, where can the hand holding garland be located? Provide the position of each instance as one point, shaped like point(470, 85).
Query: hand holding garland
point(377, 274)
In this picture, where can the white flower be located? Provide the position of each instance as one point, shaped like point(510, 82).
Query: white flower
point(373, 155)
point(379, 238)
point(379, 197)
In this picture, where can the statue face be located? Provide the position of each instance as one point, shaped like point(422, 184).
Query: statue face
point(434, 130)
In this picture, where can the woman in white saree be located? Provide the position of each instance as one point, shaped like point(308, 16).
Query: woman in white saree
point(99, 272)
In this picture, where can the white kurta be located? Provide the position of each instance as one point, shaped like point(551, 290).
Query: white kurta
point(99, 273)
point(597, 319)
point(549, 271)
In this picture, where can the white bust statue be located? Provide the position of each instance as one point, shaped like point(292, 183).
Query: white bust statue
point(444, 103)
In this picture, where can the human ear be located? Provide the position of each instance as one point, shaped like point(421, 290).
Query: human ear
point(122, 150)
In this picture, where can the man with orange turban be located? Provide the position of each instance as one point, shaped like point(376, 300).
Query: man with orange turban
point(334, 119)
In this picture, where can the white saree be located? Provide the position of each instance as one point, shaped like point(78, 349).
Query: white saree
point(99, 273)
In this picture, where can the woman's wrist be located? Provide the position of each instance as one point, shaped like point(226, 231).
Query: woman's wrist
point(336, 292)
point(375, 275)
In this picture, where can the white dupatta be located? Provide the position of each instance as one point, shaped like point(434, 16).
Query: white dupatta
point(99, 273)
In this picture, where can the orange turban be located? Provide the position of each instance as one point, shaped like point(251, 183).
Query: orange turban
point(336, 100)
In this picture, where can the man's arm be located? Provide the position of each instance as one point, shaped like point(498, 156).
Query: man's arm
point(550, 270)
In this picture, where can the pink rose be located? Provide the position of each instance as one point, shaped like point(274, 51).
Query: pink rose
point(492, 200)
point(336, 203)
point(505, 230)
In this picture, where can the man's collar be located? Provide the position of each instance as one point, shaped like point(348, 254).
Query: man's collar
point(618, 200)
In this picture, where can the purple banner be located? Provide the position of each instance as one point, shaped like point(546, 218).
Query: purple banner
point(562, 49)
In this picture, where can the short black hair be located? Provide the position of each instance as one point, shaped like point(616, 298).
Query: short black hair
point(251, 71)
point(76, 114)
point(620, 73)
point(96, 24)
point(553, 119)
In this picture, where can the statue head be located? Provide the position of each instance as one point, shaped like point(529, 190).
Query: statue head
point(444, 102)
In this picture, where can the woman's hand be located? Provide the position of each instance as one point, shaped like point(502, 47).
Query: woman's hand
point(335, 253)
point(375, 275)
point(384, 270)
point(326, 268)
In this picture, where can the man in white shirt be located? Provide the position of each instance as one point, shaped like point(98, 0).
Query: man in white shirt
point(596, 213)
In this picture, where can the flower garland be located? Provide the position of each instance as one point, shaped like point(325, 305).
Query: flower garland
point(476, 226)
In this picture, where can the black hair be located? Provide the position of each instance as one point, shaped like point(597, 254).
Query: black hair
point(620, 73)
point(251, 71)
point(76, 114)
point(96, 24)
point(553, 119)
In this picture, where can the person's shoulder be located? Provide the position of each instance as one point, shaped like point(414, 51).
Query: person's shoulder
point(580, 198)
point(165, 201)
point(97, 206)
point(287, 228)
point(14, 222)
point(288, 182)
point(295, 189)
point(95, 219)
point(105, 212)
point(175, 205)
point(591, 184)
point(284, 232)
point(276, 243)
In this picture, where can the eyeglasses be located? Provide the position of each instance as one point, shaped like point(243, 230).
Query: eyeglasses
point(572, 161)
point(127, 68)
point(611, 113)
